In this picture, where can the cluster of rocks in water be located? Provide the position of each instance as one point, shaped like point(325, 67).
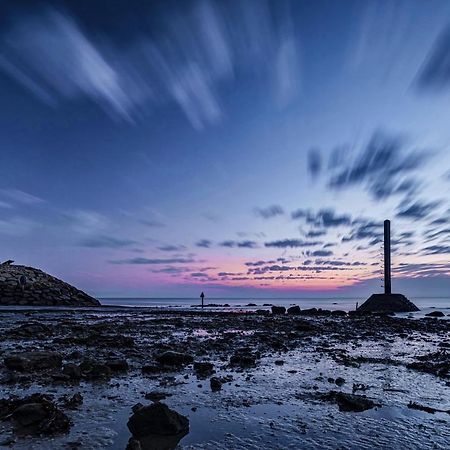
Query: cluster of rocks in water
point(72, 350)
point(27, 286)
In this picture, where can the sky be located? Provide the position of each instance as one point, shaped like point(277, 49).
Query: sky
point(240, 148)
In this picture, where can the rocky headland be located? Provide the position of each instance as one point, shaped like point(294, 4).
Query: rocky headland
point(27, 286)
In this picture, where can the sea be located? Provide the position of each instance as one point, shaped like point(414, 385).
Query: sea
point(426, 304)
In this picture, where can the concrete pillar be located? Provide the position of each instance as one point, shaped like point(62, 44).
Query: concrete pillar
point(387, 257)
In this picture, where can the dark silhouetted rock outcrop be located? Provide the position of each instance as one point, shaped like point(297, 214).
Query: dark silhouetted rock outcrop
point(26, 286)
point(387, 303)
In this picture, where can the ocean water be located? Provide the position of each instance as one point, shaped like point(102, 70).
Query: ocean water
point(346, 304)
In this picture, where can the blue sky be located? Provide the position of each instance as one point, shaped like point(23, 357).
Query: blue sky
point(241, 148)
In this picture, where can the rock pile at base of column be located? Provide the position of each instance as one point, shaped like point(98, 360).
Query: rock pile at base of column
point(387, 303)
point(27, 286)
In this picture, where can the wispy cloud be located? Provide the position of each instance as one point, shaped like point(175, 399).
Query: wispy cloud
point(104, 241)
point(269, 211)
point(18, 196)
point(171, 248)
point(239, 244)
point(384, 167)
point(153, 261)
point(204, 243)
point(417, 210)
point(184, 63)
point(292, 243)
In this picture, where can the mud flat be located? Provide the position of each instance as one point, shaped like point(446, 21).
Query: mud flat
point(108, 378)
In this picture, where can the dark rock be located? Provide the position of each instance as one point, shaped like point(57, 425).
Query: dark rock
point(93, 370)
point(72, 402)
point(279, 362)
point(278, 310)
point(428, 409)
point(338, 313)
point(435, 314)
point(349, 402)
point(339, 381)
point(31, 330)
point(243, 358)
point(203, 368)
point(216, 384)
point(156, 396)
point(133, 444)
point(294, 310)
point(40, 417)
point(390, 303)
point(157, 419)
point(172, 358)
point(73, 371)
point(437, 363)
point(33, 361)
point(118, 365)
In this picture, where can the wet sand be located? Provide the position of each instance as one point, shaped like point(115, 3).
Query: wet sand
point(305, 381)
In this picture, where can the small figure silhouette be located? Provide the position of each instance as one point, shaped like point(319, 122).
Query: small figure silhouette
point(356, 305)
point(202, 296)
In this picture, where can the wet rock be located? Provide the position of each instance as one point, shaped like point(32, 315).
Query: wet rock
point(72, 401)
point(338, 313)
point(133, 444)
point(437, 363)
point(435, 314)
point(172, 358)
point(31, 330)
point(428, 409)
point(278, 310)
point(216, 384)
point(157, 419)
point(33, 361)
point(156, 396)
point(294, 310)
point(203, 368)
point(73, 371)
point(38, 415)
point(118, 365)
point(243, 358)
point(93, 370)
point(349, 402)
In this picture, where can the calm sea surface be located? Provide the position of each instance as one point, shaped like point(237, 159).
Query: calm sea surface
point(345, 304)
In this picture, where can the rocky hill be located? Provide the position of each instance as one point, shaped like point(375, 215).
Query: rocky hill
point(27, 286)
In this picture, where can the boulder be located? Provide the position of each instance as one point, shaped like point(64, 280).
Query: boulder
point(73, 371)
point(27, 286)
point(216, 384)
point(294, 310)
point(38, 415)
point(203, 368)
point(118, 365)
point(278, 310)
point(243, 357)
point(157, 419)
point(172, 358)
point(33, 361)
point(435, 314)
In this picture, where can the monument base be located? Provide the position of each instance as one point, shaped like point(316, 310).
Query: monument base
point(387, 303)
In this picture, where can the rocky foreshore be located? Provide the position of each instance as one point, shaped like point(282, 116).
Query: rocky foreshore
point(146, 379)
point(27, 286)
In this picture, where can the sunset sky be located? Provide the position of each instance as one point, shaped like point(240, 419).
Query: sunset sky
point(242, 148)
